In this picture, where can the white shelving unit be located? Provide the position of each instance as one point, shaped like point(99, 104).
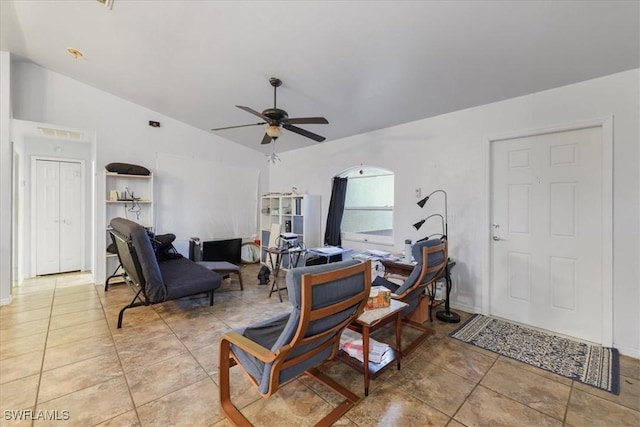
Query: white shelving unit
point(299, 214)
point(126, 196)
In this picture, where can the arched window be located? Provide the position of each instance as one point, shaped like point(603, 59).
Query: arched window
point(368, 211)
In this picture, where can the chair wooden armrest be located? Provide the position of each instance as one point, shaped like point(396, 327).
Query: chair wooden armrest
point(402, 295)
point(249, 346)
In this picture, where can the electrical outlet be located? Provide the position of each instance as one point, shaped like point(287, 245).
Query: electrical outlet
point(418, 192)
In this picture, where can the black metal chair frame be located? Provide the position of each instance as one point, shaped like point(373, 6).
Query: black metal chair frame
point(133, 274)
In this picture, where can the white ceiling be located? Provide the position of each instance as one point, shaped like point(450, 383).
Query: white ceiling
point(364, 65)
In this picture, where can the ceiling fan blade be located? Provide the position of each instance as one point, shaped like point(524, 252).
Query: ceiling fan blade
point(307, 121)
point(240, 126)
point(303, 132)
point(254, 112)
point(266, 139)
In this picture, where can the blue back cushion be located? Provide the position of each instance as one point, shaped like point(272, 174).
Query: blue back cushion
point(154, 287)
point(279, 331)
point(434, 259)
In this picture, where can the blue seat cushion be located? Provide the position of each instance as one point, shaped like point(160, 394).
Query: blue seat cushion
point(184, 277)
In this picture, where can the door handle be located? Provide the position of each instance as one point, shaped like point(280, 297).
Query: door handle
point(495, 238)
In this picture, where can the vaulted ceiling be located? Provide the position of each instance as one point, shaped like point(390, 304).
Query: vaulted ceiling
point(364, 65)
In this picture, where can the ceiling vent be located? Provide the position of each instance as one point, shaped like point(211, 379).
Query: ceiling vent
point(61, 133)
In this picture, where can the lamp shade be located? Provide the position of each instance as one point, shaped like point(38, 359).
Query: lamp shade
point(274, 131)
point(419, 224)
point(422, 202)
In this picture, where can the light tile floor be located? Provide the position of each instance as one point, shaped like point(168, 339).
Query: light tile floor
point(61, 356)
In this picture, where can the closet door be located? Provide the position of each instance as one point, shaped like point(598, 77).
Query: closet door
point(58, 207)
point(47, 206)
point(70, 216)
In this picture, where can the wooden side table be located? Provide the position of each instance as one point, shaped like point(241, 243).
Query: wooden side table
point(368, 322)
point(396, 267)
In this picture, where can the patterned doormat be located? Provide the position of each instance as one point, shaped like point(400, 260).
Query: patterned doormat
point(594, 365)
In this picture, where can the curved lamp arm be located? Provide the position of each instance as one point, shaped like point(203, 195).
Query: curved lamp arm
point(423, 201)
point(419, 224)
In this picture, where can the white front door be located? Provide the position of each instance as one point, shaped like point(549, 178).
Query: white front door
point(547, 232)
point(58, 207)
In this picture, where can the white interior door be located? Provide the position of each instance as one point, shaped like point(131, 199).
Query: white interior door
point(58, 207)
point(47, 208)
point(547, 236)
point(70, 216)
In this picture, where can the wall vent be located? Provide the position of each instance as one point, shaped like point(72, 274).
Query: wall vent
point(61, 133)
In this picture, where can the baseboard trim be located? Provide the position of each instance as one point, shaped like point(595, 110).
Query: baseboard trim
point(628, 351)
point(465, 307)
point(6, 301)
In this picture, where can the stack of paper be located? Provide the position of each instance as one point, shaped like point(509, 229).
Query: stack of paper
point(351, 343)
point(328, 250)
point(381, 254)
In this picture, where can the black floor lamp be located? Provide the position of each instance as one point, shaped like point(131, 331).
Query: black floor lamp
point(445, 315)
point(419, 224)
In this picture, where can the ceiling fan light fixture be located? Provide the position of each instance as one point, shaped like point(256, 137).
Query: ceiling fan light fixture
point(274, 131)
point(107, 3)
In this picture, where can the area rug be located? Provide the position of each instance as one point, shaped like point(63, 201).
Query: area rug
point(594, 365)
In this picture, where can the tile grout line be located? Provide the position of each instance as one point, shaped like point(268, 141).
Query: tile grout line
point(566, 409)
point(42, 365)
point(473, 389)
point(514, 400)
point(124, 375)
point(188, 351)
point(44, 352)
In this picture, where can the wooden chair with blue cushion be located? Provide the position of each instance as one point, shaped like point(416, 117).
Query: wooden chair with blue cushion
point(431, 256)
point(324, 299)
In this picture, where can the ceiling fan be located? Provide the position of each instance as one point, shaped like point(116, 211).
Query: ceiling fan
point(276, 119)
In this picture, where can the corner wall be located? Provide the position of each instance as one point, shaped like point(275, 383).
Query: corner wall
point(451, 152)
point(6, 159)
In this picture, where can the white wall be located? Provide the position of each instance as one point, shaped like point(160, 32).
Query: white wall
point(123, 135)
point(5, 178)
point(451, 152)
point(448, 152)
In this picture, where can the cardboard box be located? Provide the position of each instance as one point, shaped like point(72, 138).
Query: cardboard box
point(379, 297)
